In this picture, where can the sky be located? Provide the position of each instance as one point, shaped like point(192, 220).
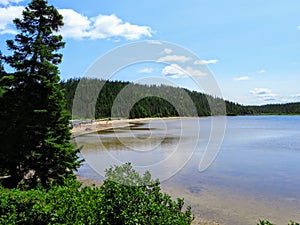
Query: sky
point(250, 47)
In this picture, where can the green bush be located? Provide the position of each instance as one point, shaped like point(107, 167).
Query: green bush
point(124, 198)
point(131, 199)
point(265, 222)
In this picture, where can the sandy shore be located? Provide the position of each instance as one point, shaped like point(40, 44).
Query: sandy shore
point(86, 127)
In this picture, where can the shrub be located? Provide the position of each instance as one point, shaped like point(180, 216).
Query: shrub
point(124, 198)
point(265, 222)
point(139, 200)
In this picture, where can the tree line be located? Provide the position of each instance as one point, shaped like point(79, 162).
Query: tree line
point(125, 99)
point(278, 109)
point(143, 101)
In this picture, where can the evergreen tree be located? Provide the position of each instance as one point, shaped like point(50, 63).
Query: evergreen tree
point(2, 73)
point(34, 131)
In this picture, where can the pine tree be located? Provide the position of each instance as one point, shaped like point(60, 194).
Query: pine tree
point(34, 130)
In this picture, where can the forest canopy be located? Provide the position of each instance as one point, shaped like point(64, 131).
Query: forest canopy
point(155, 101)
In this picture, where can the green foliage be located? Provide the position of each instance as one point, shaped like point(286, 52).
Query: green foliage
point(2, 74)
point(265, 222)
point(131, 199)
point(151, 106)
point(150, 103)
point(114, 203)
point(278, 109)
point(34, 130)
point(58, 205)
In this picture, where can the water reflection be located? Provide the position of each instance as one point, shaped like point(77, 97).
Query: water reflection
point(161, 146)
point(255, 174)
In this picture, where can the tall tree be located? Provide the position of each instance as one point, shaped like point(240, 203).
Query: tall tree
point(34, 130)
point(2, 73)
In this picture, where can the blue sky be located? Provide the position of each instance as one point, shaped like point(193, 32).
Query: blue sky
point(252, 47)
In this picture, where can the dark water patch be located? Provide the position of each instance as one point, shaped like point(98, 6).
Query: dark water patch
point(195, 189)
point(109, 131)
point(137, 124)
point(141, 128)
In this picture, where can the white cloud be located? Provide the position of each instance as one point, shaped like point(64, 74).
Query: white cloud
point(298, 27)
point(78, 26)
point(261, 91)
point(206, 62)
point(261, 71)
point(167, 51)
point(288, 99)
point(174, 58)
point(146, 70)
point(264, 94)
point(75, 25)
point(7, 2)
point(7, 15)
point(243, 78)
point(175, 71)
point(106, 26)
point(294, 98)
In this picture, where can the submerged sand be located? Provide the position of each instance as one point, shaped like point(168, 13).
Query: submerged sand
point(212, 203)
point(230, 207)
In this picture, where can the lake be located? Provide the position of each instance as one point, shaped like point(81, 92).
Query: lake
point(255, 175)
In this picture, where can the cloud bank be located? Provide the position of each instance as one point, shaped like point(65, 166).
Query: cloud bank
point(78, 26)
point(7, 15)
point(176, 71)
point(206, 62)
point(7, 2)
point(264, 94)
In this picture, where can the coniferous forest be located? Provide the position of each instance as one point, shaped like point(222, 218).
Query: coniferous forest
point(152, 101)
point(278, 109)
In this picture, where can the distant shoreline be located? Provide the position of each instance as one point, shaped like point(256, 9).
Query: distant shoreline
point(82, 127)
point(90, 126)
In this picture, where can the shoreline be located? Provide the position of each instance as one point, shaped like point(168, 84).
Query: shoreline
point(83, 127)
point(102, 125)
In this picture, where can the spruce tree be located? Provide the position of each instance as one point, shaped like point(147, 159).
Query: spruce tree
point(34, 131)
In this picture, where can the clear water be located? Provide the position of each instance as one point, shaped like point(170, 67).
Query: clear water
point(259, 159)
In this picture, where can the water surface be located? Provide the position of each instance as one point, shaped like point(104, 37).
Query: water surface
point(256, 173)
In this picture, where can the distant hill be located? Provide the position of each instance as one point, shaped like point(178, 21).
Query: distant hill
point(148, 105)
point(278, 109)
point(150, 101)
